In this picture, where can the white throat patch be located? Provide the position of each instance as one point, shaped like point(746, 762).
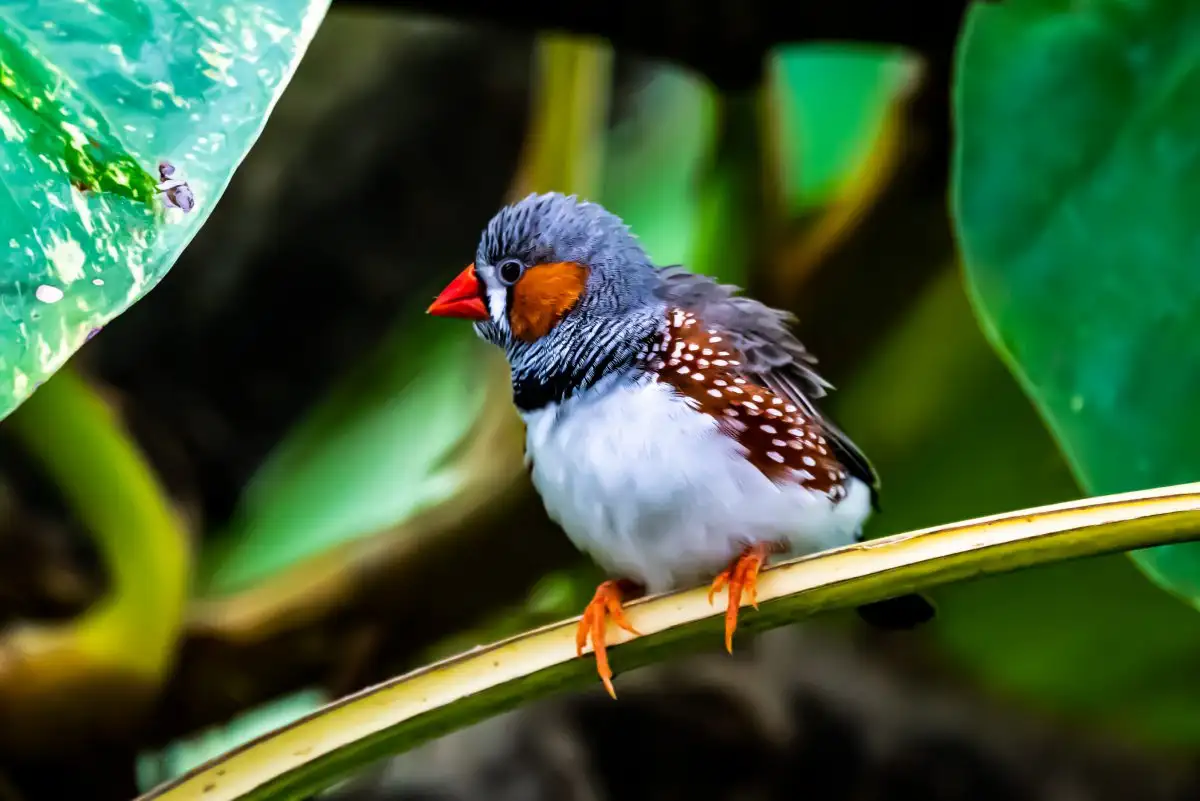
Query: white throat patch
point(497, 298)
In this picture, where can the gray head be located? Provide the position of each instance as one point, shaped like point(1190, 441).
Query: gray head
point(549, 257)
point(554, 277)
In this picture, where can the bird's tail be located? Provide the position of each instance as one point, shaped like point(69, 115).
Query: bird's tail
point(898, 614)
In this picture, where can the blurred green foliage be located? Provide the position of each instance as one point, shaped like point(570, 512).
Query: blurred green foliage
point(62, 681)
point(833, 103)
point(654, 160)
point(377, 451)
point(387, 443)
point(72, 432)
point(89, 105)
point(1074, 170)
point(1075, 176)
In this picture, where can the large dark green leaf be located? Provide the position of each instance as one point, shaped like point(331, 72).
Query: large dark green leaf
point(1090, 640)
point(91, 100)
point(1077, 180)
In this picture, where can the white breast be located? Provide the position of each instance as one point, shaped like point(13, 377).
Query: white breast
point(652, 490)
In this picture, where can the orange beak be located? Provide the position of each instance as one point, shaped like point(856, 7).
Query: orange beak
point(461, 298)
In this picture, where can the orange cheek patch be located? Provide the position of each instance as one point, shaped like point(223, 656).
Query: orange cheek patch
point(543, 295)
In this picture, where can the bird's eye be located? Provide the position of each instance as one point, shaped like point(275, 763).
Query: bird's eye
point(510, 270)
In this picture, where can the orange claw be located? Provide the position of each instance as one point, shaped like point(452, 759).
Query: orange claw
point(605, 604)
point(742, 577)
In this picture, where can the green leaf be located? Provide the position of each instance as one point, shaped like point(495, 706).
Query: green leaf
point(1076, 179)
point(960, 439)
point(377, 451)
point(833, 101)
point(91, 100)
point(299, 760)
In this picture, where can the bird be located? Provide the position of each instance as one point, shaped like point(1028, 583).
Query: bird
point(670, 421)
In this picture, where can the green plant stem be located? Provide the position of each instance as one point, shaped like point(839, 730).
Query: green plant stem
point(107, 483)
point(313, 753)
point(564, 148)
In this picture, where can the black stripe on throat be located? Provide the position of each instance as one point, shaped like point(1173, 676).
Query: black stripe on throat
point(576, 372)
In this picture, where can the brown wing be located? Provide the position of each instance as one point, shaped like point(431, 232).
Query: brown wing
point(782, 439)
point(782, 432)
point(771, 355)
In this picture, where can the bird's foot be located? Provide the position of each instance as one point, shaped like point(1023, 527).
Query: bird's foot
point(605, 604)
point(742, 579)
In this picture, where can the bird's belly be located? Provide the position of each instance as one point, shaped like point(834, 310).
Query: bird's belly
point(653, 491)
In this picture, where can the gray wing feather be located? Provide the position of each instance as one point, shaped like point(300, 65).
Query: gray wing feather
point(771, 353)
point(758, 331)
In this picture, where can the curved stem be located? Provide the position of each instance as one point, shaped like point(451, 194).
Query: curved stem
point(107, 483)
point(313, 753)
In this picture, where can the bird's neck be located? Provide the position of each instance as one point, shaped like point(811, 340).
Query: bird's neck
point(578, 355)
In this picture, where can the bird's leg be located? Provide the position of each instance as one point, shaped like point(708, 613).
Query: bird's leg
point(605, 604)
point(742, 578)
